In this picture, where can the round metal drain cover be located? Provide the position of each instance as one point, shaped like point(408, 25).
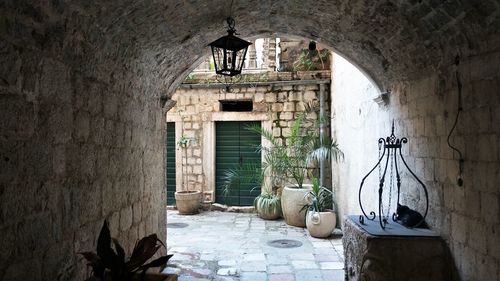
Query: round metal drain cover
point(284, 243)
point(177, 225)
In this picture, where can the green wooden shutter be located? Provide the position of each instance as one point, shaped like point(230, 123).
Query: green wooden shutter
point(170, 163)
point(235, 145)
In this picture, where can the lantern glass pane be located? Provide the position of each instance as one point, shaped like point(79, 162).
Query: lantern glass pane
point(231, 60)
point(241, 59)
point(217, 58)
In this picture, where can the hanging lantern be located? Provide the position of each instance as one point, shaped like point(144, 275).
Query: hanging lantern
point(229, 52)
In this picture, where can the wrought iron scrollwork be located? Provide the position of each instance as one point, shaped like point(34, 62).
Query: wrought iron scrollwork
point(391, 146)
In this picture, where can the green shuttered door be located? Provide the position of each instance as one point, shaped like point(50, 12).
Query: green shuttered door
point(170, 164)
point(235, 145)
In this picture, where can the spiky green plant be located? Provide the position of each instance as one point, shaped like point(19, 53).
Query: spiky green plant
point(311, 60)
point(304, 149)
point(267, 202)
point(319, 198)
point(247, 173)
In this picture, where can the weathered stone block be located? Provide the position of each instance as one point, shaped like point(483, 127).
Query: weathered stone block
point(300, 106)
point(14, 111)
point(289, 106)
point(258, 97)
point(126, 218)
point(490, 207)
point(270, 97)
point(55, 85)
point(197, 170)
point(309, 96)
point(282, 97)
point(276, 132)
point(277, 107)
point(260, 107)
point(286, 116)
point(137, 213)
point(386, 258)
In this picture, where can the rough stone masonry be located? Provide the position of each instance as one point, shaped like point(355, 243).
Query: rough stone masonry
point(81, 122)
point(276, 103)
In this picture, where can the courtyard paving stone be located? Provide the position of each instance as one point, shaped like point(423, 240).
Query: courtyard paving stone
point(227, 246)
point(281, 277)
point(333, 275)
point(279, 269)
point(309, 275)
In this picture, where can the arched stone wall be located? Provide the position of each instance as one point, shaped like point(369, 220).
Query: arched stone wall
point(81, 121)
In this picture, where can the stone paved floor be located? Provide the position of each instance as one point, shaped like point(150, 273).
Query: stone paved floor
point(232, 246)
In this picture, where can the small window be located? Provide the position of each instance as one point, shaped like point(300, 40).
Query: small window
point(236, 105)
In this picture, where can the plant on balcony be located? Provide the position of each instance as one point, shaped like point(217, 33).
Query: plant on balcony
point(311, 60)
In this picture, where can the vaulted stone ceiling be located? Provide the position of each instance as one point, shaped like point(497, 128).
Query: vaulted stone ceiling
point(389, 40)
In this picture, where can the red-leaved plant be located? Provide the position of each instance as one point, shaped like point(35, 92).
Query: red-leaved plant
point(110, 258)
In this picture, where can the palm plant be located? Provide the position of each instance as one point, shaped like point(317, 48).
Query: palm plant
point(267, 203)
point(248, 173)
point(304, 149)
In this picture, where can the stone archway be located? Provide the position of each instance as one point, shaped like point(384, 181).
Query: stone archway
point(81, 88)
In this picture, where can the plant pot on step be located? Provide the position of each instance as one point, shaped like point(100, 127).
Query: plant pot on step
point(321, 224)
point(188, 202)
point(292, 201)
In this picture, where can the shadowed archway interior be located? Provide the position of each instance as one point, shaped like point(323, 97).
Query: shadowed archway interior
point(82, 125)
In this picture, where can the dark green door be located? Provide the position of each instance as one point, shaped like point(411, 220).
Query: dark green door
point(235, 145)
point(170, 164)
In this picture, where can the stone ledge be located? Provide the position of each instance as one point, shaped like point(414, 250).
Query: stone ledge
point(233, 209)
point(221, 208)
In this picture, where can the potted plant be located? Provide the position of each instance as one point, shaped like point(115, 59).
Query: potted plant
point(293, 163)
point(320, 219)
point(110, 264)
point(267, 204)
point(187, 201)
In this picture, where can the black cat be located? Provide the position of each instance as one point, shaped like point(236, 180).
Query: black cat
point(409, 218)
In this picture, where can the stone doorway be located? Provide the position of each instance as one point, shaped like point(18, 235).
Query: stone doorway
point(236, 146)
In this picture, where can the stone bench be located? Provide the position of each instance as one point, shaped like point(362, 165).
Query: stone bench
point(416, 255)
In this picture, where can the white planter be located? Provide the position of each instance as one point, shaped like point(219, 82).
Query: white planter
point(292, 200)
point(323, 225)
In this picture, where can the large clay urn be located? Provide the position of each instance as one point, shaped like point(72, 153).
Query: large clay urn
point(292, 201)
point(188, 202)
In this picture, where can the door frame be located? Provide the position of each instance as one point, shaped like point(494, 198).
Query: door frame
point(208, 147)
point(209, 141)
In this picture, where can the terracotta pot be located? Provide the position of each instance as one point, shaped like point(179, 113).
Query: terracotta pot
point(292, 201)
point(188, 202)
point(322, 224)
